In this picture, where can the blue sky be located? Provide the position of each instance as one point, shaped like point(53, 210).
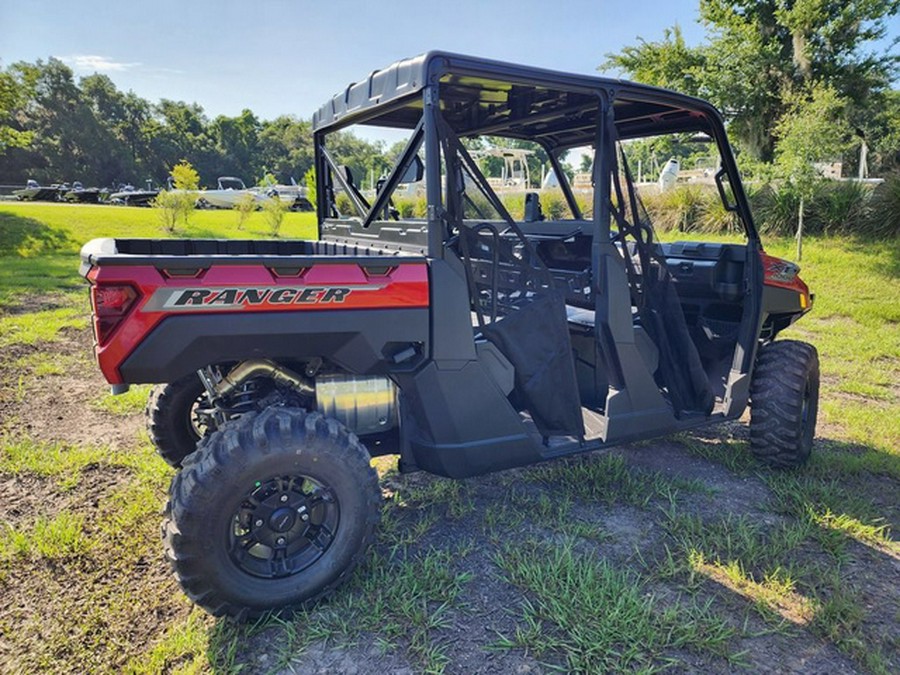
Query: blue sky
point(289, 56)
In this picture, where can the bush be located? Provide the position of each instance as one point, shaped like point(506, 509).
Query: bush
point(274, 209)
point(406, 207)
point(775, 209)
point(884, 209)
point(344, 205)
point(679, 209)
point(554, 205)
point(168, 207)
point(839, 208)
point(309, 179)
point(244, 206)
point(515, 204)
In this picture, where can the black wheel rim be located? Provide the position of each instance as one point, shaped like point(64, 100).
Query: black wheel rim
point(283, 525)
point(198, 422)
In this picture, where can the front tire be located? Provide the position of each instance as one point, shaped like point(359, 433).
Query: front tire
point(271, 513)
point(784, 403)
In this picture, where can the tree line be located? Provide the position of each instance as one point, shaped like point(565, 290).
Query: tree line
point(55, 129)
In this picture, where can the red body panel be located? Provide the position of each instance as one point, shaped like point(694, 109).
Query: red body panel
point(796, 284)
point(224, 289)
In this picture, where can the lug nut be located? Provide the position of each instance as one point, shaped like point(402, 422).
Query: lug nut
point(284, 498)
point(304, 516)
point(258, 523)
point(280, 541)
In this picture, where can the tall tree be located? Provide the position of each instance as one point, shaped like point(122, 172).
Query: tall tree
point(14, 93)
point(286, 147)
point(237, 144)
point(759, 54)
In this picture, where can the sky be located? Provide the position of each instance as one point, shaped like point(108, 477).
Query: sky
point(289, 57)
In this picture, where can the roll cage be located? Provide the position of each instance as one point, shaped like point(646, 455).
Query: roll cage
point(449, 96)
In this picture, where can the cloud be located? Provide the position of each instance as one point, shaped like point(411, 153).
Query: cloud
point(91, 63)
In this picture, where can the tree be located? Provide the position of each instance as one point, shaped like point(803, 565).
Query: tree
point(13, 95)
point(286, 147)
point(180, 201)
point(758, 54)
point(812, 130)
point(237, 144)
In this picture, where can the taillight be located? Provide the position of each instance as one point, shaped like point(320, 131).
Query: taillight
point(111, 305)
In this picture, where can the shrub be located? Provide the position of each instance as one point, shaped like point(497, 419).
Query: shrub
point(309, 179)
point(344, 205)
point(274, 209)
point(714, 217)
point(840, 207)
point(420, 209)
point(406, 207)
point(168, 207)
point(884, 209)
point(554, 205)
point(244, 206)
point(515, 204)
point(775, 209)
point(186, 181)
point(678, 209)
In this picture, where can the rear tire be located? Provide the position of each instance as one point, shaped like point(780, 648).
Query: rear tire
point(170, 418)
point(784, 402)
point(272, 512)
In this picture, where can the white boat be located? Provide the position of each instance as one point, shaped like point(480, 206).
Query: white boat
point(230, 190)
point(293, 196)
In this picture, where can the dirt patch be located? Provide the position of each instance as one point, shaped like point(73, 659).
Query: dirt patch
point(28, 304)
point(27, 497)
point(58, 408)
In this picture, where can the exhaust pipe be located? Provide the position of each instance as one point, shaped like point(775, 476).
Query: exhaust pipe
point(256, 367)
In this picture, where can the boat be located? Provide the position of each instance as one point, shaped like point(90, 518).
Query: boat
point(293, 196)
point(128, 195)
point(230, 190)
point(34, 191)
point(80, 194)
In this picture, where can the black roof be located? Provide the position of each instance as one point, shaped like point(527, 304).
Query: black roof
point(481, 96)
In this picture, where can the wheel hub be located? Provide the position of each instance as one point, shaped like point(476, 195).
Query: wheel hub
point(283, 525)
point(282, 520)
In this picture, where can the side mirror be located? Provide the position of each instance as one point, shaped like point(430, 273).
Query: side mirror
point(414, 172)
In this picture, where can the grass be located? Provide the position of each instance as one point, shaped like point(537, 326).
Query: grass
point(606, 477)
point(132, 401)
point(777, 570)
point(64, 463)
point(39, 243)
point(30, 229)
point(59, 537)
point(601, 616)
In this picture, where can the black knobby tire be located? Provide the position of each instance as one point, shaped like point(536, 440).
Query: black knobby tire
point(204, 529)
point(784, 402)
point(170, 418)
